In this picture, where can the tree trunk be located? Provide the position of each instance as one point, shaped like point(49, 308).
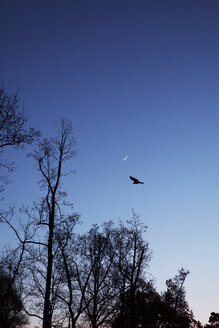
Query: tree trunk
point(47, 315)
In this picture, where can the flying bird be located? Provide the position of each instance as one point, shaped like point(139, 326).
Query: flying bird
point(136, 181)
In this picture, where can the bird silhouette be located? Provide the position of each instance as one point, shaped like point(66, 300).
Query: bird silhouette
point(136, 181)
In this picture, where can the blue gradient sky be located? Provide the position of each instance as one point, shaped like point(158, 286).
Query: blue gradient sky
point(138, 78)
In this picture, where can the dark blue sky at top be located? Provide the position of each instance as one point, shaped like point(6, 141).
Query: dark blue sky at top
point(136, 77)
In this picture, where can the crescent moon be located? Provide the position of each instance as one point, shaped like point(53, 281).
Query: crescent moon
point(125, 158)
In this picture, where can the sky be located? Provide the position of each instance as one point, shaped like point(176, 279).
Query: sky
point(139, 78)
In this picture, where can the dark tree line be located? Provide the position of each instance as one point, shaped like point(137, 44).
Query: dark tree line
point(67, 279)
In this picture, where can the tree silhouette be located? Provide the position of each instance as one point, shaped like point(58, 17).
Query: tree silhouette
point(50, 157)
point(147, 311)
point(11, 309)
point(130, 258)
point(177, 313)
point(67, 262)
point(13, 131)
point(101, 270)
point(99, 296)
point(213, 320)
point(36, 237)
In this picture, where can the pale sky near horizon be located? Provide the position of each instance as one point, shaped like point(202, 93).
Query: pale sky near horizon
point(138, 78)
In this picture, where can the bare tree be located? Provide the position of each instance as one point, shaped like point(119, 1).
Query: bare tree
point(112, 265)
point(12, 264)
point(96, 258)
point(38, 241)
point(50, 156)
point(88, 290)
point(130, 259)
point(13, 131)
point(75, 276)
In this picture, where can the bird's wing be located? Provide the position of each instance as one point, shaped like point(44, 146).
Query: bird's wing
point(133, 179)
